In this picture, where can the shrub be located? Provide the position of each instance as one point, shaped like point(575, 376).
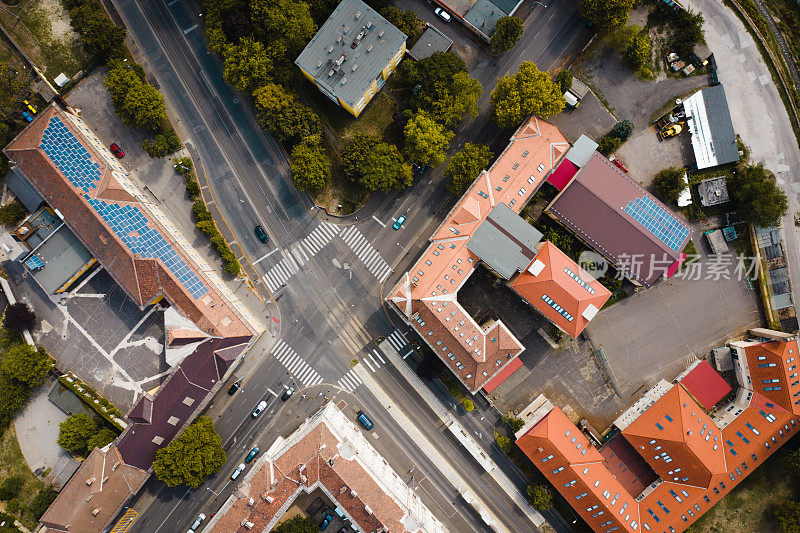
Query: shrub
point(513, 422)
point(540, 496)
point(13, 507)
point(199, 210)
point(10, 487)
point(467, 404)
point(192, 188)
point(668, 185)
point(162, 144)
point(608, 145)
point(75, 432)
point(564, 80)
point(504, 443)
point(183, 165)
point(12, 214)
point(42, 501)
point(622, 130)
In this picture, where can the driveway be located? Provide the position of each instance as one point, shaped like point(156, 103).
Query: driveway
point(645, 155)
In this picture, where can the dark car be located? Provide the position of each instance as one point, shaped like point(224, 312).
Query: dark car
point(117, 151)
point(261, 235)
point(287, 393)
point(252, 454)
point(235, 387)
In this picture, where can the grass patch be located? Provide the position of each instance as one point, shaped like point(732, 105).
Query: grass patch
point(374, 121)
point(12, 463)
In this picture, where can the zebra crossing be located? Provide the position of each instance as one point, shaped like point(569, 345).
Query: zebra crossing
point(397, 340)
point(322, 235)
point(349, 381)
point(281, 272)
point(366, 253)
point(296, 366)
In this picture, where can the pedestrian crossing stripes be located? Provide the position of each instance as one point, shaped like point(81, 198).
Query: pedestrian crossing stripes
point(397, 340)
point(322, 235)
point(280, 273)
point(350, 381)
point(297, 367)
point(366, 253)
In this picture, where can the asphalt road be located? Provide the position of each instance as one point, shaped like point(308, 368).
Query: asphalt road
point(324, 316)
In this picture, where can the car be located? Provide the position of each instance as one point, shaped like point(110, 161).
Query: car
point(287, 394)
point(442, 14)
point(252, 454)
point(399, 222)
point(117, 151)
point(365, 421)
point(419, 169)
point(197, 522)
point(325, 522)
point(235, 387)
point(259, 409)
point(27, 116)
point(238, 471)
point(261, 235)
point(28, 104)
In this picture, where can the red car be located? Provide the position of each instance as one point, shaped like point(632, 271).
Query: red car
point(117, 151)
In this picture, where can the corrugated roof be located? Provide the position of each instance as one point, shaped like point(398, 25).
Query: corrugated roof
point(713, 137)
point(505, 241)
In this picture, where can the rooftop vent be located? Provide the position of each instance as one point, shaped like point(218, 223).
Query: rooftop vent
point(319, 64)
point(354, 68)
point(247, 524)
point(369, 49)
point(344, 80)
point(340, 60)
point(90, 480)
point(330, 49)
point(339, 38)
point(346, 29)
point(369, 24)
point(95, 511)
point(380, 34)
point(358, 15)
point(331, 72)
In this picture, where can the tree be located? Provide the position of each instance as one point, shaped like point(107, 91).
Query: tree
point(354, 154)
point(247, 65)
point(465, 166)
point(74, 433)
point(311, 168)
point(623, 37)
point(385, 169)
point(287, 119)
point(503, 442)
point(467, 404)
point(564, 80)
point(540, 496)
point(10, 487)
point(119, 81)
point(608, 145)
point(788, 515)
point(507, 32)
point(606, 14)
point(298, 524)
point(638, 53)
point(192, 456)
point(13, 397)
point(26, 364)
point(756, 197)
point(100, 36)
point(427, 141)
point(622, 130)
point(458, 98)
point(144, 107)
point(528, 92)
point(285, 20)
point(513, 422)
point(669, 185)
point(406, 21)
point(19, 317)
point(42, 501)
point(101, 438)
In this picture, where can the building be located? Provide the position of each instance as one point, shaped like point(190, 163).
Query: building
point(431, 41)
point(610, 212)
point(207, 327)
point(352, 55)
point(713, 191)
point(329, 458)
point(710, 125)
point(483, 226)
point(672, 458)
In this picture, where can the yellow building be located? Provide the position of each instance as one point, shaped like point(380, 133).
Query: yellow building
point(352, 55)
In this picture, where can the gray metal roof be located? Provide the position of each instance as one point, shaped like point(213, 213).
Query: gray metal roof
point(432, 41)
point(350, 50)
point(719, 118)
point(578, 88)
point(581, 151)
point(505, 241)
point(23, 190)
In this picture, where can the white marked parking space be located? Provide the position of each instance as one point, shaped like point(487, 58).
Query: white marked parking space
point(366, 253)
point(297, 367)
point(350, 381)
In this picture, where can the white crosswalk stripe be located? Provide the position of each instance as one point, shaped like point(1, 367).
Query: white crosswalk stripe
point(350, 381)
point(366, 253)
point(397, 340)
point(322, 235)
point(302, 371)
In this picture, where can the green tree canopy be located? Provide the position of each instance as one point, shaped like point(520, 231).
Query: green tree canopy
point(144, 107)
point(354, 154)
point(513, 422)
point(606, 14)
point(788, 515)
point(19, 317)
point(563, 79)
point(638, 53)
point(298, 524)
point(427, 141)
point(119, 81)
point(503, 442)
point(192, 456)
point(287, 119)
point(13, 397)
point(756, 197)
point(464, 167)
point(457, 99)
point(10, 487)
point(669, 185)
point(528, 92)
point(385, 169)
point(247, 65)
point(311, 168)
point(26, 364)
point(507, 32)
point(288, 21)
point(623, 130)
point(74, 433)
point(608, 144)
point(100, 36)
point(406, 21)
point(100, 439)
point(540, 496)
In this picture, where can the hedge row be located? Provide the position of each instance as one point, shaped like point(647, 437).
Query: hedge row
point(100, 405)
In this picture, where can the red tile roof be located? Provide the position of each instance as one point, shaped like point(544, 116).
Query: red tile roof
point(426, 295)
point(553, 275)
point(706, 385)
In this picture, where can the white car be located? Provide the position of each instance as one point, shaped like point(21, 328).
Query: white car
point(238, 471)
point(442, 14)
point(259, 409)
point(197, 522)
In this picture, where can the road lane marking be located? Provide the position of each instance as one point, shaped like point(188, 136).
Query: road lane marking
point(376, 352)
point(264, 256)
point(188, 30)
point(378, 221)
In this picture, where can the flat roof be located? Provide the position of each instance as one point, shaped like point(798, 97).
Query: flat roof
point(62, 255)
point(505, 241)
point(713, 191)
point(484, 15)
point(431, 41)
point(713, 138)
point(350, 50)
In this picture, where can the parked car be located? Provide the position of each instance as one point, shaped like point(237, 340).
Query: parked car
point(236, 386)
point(442, 14)
point(287, 394)
point(27, 116)
point(238, 471)
point(325, 521)
point(261, 235)
point(259, 409)
point(197, 522)
point(365, 421)
point(399, 222)
point(252, 454)
point(28, 104)
point(117, 151)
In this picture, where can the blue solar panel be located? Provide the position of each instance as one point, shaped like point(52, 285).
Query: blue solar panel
point(658, 221)
point(69, 155)
point(34, 262)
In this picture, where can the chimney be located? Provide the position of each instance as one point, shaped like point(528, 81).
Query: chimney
point(90, 480)
point(95, 511)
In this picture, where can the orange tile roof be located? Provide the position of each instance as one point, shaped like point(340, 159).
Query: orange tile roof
point(555, 282)
point(773, 369)
point(426, 295)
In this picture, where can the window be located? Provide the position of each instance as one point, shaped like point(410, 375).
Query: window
point(706, 499)
point(579, 496)
point(766, 365)
point(525, 153)
point(659, 426)
point(559, 469)
point(754, 430)
point(579, 280)
point(669, 418)
point(515, 166)
point(676, 496)
point(663, 507)
point(547, 458)
point(569, 483)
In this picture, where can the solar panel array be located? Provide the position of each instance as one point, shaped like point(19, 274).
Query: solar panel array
point(69, 155)
point(658, 221)
point(34, 262)
point(132, 227)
